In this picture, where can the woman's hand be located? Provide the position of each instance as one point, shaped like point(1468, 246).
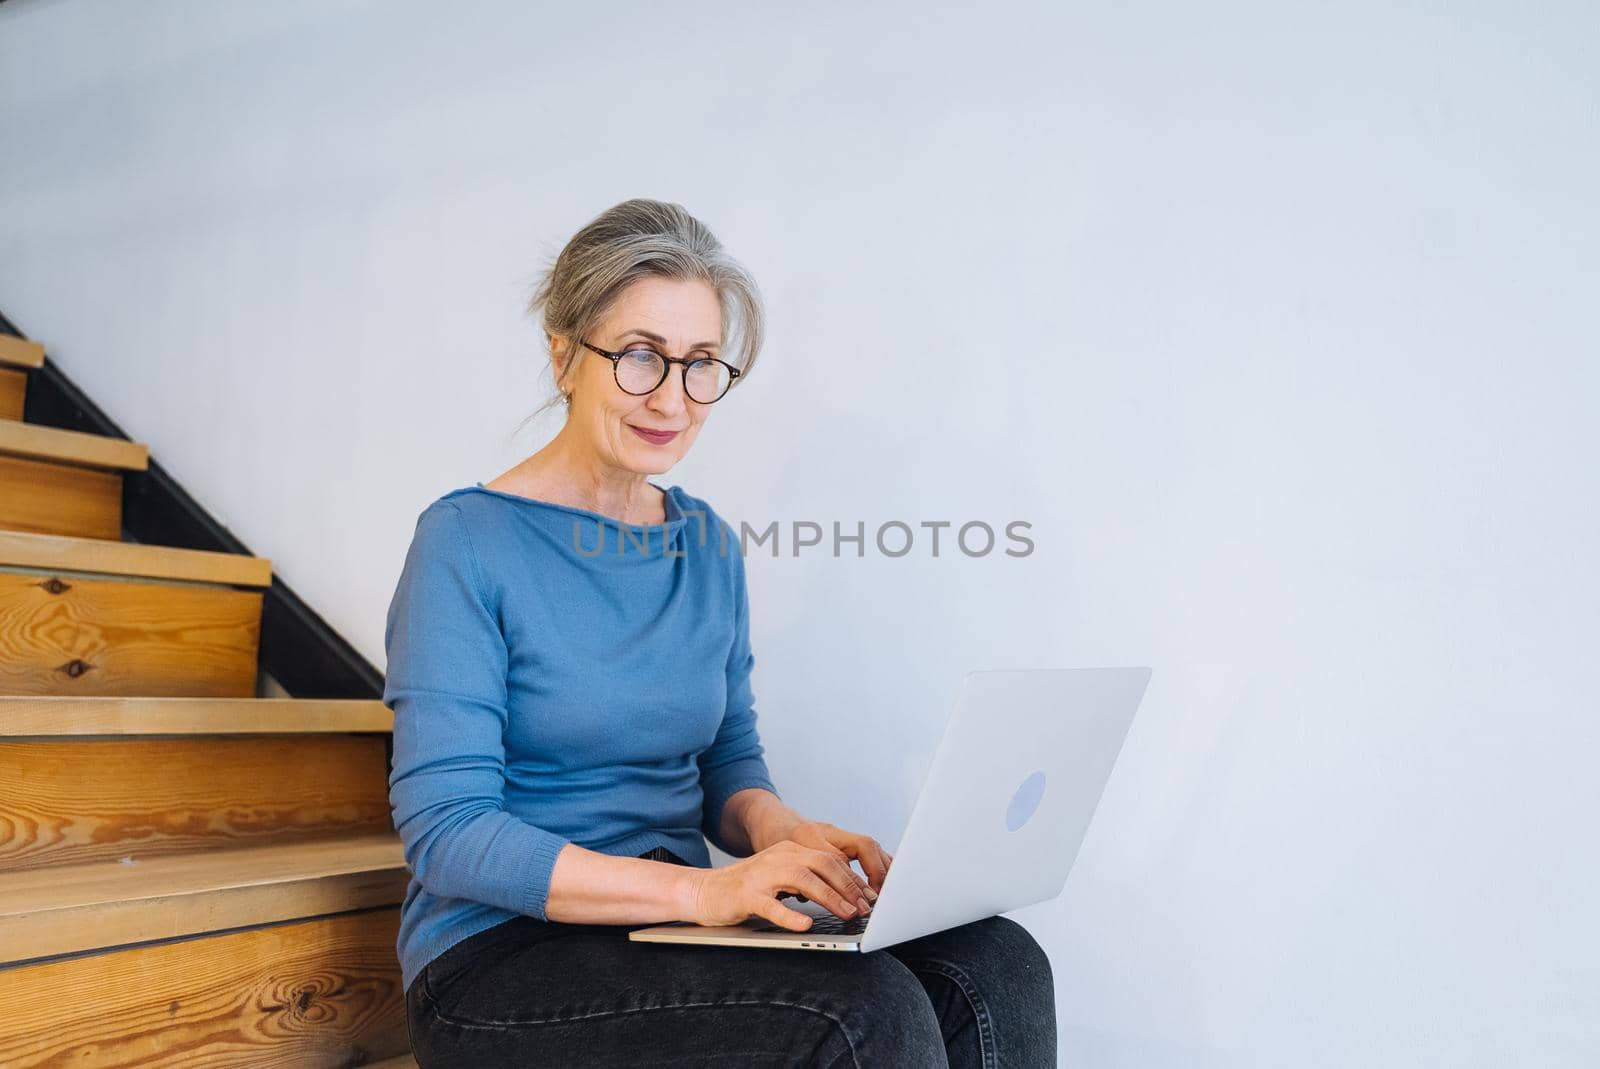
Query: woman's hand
point(847, 845)
point(768, 821)
point(750, 887)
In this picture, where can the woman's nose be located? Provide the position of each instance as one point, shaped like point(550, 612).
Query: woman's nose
point(669, 396)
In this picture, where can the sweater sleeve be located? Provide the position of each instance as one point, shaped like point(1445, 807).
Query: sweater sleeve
point(734, 760)
point(446, 683)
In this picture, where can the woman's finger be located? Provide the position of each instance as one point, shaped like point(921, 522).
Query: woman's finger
point(849, 846)
point(871, 856)
point(819, 891)
point(862, 889)
point(865, 849)
point(782, 915)
point(840, 878)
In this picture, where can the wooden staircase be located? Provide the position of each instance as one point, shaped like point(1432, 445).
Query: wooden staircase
point(190, 874)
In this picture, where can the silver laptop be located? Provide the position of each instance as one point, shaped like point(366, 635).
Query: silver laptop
point(1018, 773)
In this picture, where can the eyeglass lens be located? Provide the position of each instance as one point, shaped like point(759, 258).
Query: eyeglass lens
point(640, 370)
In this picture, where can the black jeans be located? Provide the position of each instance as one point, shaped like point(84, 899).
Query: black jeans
point(540, 993)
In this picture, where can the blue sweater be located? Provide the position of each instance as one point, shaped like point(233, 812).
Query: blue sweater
point(557, 676)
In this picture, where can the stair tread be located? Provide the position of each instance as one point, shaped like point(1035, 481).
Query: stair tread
point(27, 716)
point(68, 553)
point(404, 1061)
point(103, 904)
point(71, 447)
point(20, 352)
point(102, 883)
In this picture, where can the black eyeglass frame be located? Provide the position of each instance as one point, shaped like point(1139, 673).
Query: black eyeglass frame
point(666, 369)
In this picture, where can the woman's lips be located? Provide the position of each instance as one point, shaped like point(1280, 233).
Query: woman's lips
point(654, 437)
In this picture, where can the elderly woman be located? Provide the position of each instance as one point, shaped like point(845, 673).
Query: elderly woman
point(569, 669)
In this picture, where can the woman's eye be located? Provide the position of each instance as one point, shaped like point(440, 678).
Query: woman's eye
point(640, 356)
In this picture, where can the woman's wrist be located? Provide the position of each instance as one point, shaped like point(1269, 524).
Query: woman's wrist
point(686, 892)
point(767, 820)
point(588, 887)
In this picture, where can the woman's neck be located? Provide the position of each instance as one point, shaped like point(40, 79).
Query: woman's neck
point(564, 477)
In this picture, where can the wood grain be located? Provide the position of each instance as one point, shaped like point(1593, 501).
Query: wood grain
point(34, 550)
point(33, 715)
point(59, 499)
point(320, 994)
point(92, 636)
point(20, 352)
point(69, 801)
point(104, 904)
point(71, 447)
point(13, 390)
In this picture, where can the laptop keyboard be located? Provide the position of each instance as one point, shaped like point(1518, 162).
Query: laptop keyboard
point(825, 926)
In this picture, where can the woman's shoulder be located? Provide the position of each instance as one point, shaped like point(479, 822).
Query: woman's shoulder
point(456, 520)
point(690, 504)
point(444, 509)
point(481, 509)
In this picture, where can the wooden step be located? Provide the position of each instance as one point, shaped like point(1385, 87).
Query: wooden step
point(13, 392)
point(316, 994)
point(20, 352)
point(59, 553)
point(33, 442)
point(32, 716)
point(71, 635)
point(64, 482)
point(405, 1061)
point(73, 800)
point(104, 904)
point(36, 495)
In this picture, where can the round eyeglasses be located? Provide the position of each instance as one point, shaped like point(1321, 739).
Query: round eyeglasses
point(640, 370)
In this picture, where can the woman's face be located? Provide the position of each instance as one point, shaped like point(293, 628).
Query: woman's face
point(675, 317)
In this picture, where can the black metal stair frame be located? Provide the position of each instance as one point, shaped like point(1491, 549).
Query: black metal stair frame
point(298, 648)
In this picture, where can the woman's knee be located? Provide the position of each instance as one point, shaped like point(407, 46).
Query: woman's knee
point(884, 1013)
point(979, 945)
point(1001, 970)
point(1003, 958)
point(1018, 946)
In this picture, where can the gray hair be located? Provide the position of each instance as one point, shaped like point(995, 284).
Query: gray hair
point(632, 240)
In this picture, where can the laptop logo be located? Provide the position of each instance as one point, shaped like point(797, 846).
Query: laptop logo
point(1025, 801)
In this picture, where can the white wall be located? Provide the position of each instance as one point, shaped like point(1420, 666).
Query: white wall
point(1275, 320)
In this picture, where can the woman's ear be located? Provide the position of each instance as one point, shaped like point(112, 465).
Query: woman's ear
point(558, 357)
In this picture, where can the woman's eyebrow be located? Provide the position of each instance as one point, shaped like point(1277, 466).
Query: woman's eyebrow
point(659, 340)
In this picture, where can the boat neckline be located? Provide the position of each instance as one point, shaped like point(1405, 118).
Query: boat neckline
point(675, 515)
